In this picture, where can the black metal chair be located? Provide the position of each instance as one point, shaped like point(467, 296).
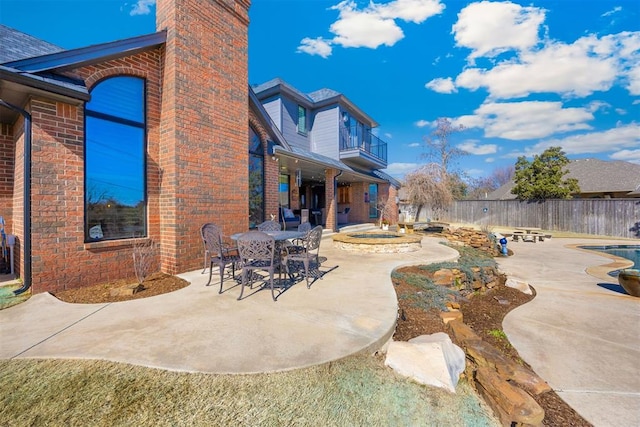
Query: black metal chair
point(310, 251)
point(257, 250)
point(269, 226)
point(219, 254)
point(295, 245)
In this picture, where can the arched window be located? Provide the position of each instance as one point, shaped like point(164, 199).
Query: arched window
point(115, 161)
point(256, 179)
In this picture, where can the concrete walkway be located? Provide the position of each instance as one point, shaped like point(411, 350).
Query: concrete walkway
point(581, 333)
point(353, 309)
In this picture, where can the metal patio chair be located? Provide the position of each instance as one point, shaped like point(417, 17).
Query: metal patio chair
point(269, 226)
point(218, 253)
point(257, 251)
point(310, 249)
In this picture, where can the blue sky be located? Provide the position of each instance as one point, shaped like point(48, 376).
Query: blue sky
point(520, 76)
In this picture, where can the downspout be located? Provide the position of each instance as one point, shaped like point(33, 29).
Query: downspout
point(26, 277)
point(335, 199)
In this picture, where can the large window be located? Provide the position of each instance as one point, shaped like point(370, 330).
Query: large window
point(256, 180)
point(115, 163)
point(302, 120)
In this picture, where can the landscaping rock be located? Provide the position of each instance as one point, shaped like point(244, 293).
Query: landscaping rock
point(126, 290)
point(428, 359)
point(443, 277)
point(449, 316)
point(512, 405)
point(520, 285)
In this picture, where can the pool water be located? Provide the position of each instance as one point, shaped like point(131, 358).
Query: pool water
point(630, 252)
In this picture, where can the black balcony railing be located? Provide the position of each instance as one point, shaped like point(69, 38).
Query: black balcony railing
point(357, 138)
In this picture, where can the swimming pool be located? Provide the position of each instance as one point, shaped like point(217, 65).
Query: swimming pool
point(630, 252)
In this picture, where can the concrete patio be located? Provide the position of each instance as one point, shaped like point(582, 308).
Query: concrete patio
point(580, 333)
point(352, 309)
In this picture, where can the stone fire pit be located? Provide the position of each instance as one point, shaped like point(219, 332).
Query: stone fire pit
point(377, 242)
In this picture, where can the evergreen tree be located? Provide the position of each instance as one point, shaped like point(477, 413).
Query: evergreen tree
point(543, 177)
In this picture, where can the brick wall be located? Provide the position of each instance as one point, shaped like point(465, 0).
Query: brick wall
point(7, 164)
point(203, 136)
point(60, 258)
point(330, 199)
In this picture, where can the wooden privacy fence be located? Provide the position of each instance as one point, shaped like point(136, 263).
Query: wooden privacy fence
point(606, 217)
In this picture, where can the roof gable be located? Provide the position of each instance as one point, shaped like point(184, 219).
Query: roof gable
point(317, 99)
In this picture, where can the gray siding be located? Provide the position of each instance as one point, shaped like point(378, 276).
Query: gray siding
point(290, 125)
point(605, 217)
point(325, 139)
point(273, 108)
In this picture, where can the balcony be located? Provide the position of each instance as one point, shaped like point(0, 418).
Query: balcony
point(362, 149)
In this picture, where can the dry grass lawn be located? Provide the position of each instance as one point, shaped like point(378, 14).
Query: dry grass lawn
point(358, 391)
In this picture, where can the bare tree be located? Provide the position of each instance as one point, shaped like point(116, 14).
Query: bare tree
point(143, 259)
point(385, 210)
point(480, 187)
point(426, 187)
point(440, 149)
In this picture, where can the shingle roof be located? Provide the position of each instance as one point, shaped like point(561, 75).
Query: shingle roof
point(17, 45)
point(593, 175)
point(323, 94)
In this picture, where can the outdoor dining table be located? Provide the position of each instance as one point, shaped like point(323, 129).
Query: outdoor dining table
point(278, 236)
point(281, 237)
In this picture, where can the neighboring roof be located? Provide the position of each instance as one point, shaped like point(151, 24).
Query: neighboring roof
point(594, 176)
point(17, 45)
point(316, 99)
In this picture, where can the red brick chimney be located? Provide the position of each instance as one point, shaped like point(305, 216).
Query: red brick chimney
point(204, 124)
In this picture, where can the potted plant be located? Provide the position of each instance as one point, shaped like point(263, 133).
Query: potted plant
point(385, 224)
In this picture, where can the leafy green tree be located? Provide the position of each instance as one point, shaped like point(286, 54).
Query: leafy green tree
point(543, 177)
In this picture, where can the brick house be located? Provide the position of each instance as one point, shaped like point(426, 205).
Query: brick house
point(142, 139)
point(332, 164)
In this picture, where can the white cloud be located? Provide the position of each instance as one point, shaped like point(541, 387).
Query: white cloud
point(142, 7)
point(612, 11)
point(400, 169)
point(375, 25)
point(621, 111)
point(441, 85)
point(528, 119)
point(317, 46)
point(577, 69)
point(472, 147)
point(490, 28)
point(627, 155)
point(414, 145)
point(490, 160)
point(615, 139)
point(468, 122)
point(423, 123)
point(595, 106)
